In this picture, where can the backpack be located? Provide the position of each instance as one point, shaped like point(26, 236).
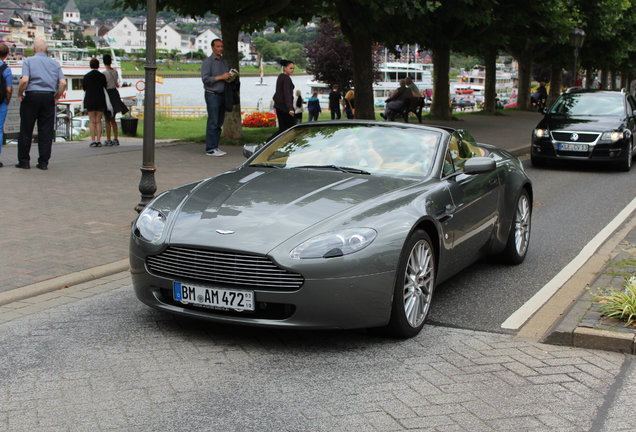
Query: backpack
point(3, 84)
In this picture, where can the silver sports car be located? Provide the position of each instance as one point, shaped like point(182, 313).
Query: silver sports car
point(333, 225)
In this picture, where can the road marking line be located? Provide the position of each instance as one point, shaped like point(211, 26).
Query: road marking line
point(521, 315)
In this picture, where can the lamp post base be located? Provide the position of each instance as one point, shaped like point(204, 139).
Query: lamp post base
point(147, 187)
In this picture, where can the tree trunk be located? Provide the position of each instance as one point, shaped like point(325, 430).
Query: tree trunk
point(556, 80)
point(525, 72)
point(361, 45)
point(230, 27)
point(440, 108)
point(604, 78)
point(624, 82)
point(490, 87)
point(589, 78)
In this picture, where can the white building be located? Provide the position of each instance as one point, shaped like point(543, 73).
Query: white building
point(128, 34)
point(71, 13)
point(169, 38)
point(204, 40)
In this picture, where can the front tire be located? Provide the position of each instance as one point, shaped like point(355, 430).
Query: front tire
point(414, 286)
point(626, 163)
point(519, 236)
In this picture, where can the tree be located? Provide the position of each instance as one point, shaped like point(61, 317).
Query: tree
point(234, 16)
point(330, 57)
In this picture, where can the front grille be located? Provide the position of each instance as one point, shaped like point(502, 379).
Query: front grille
point(229, 269)
point(583, 137)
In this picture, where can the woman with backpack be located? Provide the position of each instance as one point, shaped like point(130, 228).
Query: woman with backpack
point(298, 107)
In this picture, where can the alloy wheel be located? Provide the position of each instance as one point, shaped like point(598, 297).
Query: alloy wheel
point(522, 225)
point(419, 281)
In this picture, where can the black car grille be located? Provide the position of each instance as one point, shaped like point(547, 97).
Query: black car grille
point(226, 268)
point(583, 137)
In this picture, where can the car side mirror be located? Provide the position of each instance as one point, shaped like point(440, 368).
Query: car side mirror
point(250, 149)
point(478, 165)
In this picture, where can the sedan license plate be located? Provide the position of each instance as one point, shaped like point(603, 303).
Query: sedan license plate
point(573, 147)
point(237, 300)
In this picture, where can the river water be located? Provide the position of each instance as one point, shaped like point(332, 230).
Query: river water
point(188, 92)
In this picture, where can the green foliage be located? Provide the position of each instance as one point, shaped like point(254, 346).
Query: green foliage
point(621, 304)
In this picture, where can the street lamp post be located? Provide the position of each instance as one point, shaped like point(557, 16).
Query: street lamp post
point(577, 37)
point(147, 184)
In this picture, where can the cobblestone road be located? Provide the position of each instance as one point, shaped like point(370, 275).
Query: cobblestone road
point(93, 358)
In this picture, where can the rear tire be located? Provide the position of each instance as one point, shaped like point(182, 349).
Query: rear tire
point(414, 286)
point(519, 236)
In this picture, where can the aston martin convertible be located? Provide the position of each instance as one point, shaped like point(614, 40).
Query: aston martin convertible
point(336, 225)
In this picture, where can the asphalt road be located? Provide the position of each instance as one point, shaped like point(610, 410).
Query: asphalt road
point(572, 203)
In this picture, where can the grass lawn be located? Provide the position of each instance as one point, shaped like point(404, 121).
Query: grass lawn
point(189, 69)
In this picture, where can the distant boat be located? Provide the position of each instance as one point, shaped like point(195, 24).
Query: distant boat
point(390, 75)
point(261, 83)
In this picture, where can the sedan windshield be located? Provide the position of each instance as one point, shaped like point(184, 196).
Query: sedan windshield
point(589, 104)
point(359, 149)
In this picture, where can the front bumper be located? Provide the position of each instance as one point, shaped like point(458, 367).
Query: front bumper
point(547, 148)
point(336, 303)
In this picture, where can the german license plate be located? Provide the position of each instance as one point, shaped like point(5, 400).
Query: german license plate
point(238, 300)
point(573, 147)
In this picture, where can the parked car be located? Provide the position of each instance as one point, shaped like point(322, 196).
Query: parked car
point(79, 126)
point(587, 125)
point(332, 225)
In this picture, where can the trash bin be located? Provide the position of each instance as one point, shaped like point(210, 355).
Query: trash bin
point(129, 126)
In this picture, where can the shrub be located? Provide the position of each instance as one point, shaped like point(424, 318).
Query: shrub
point(259, 119)
point(621, 304)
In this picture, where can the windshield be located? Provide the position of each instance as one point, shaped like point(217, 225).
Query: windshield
point(368, 149)
point(589, 104)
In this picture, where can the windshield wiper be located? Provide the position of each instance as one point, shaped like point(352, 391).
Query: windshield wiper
point(344, 169)
point(265, 165)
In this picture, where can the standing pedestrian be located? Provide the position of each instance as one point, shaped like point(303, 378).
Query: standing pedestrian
point(335, 100)
point(284, 98)
point(214, 73)
point(41, 85)
point(350, 104)
point(298, 107)
point(6, 89)
point(94, 83)
point(313, 107)
point(112, 82)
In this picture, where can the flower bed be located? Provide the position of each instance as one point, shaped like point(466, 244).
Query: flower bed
point(259, 119)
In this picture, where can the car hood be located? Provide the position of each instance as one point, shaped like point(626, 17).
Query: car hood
point(255, 210)
point(592, 124)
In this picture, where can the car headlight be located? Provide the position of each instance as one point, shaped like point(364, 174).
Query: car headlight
point(540, 133)
point(612, 136)
point(150, 224)
point(334, 244)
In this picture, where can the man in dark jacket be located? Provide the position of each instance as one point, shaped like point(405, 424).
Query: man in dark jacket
point(395, 102)
point(335, 100)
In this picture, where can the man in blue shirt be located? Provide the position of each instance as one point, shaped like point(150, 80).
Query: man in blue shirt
point(8, 79)
point(214, 73)
point(41, 85)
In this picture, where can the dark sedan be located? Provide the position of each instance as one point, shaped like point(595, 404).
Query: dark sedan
point(333, 225)
point(587, 125)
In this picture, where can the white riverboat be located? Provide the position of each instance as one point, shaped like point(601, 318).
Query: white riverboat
point(472, 85)
point(390, 75)
point(75, 64)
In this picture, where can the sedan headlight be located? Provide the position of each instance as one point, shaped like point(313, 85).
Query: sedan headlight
point(334, 244)
point(540, 133)
point(150, 224)
point(612, 136)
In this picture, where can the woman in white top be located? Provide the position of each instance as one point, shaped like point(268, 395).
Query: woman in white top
point(112, 82)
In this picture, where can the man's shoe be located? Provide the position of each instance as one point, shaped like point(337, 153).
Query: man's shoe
point(42, 167)
point(23, 166)
point(115, 142)
point(108, 143)
point(95, 144)
point(215, 152)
